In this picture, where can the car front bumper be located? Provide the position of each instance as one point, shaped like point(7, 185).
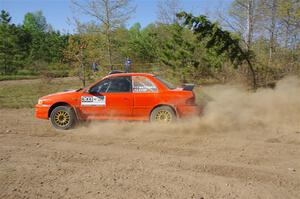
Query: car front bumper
point(41, 111)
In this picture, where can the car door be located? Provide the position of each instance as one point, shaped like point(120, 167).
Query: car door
point(119, 98)
point(108, 99)
point(146, 96)
point(93, 101)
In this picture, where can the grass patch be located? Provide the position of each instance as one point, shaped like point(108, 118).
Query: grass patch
point(17, 77)
point(26, 93)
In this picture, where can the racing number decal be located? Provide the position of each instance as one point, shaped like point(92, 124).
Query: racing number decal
point(93, 101)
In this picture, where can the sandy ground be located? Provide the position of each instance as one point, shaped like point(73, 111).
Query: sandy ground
point(245, 146)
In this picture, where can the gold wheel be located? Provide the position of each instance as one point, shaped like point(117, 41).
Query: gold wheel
point(62, 118)
point(163, 116)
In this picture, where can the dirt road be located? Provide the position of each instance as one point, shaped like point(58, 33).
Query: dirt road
point(246, 146)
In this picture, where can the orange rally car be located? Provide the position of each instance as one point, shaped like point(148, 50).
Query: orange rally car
point(119, 96)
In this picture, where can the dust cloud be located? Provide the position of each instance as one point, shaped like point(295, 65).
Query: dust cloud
point(228, 108)
point(234, 108)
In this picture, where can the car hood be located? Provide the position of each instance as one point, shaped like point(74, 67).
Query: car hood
point(59, 94)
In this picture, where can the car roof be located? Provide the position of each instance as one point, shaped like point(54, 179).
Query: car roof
point(130, 74)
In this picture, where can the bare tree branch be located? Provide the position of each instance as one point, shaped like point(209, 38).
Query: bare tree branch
point(111, 14)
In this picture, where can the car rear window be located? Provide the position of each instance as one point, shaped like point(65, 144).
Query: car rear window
point(164, 82)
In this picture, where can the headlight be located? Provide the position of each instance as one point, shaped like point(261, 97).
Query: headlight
point(40, 101)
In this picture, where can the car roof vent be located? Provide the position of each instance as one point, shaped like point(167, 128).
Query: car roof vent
point(115, 72)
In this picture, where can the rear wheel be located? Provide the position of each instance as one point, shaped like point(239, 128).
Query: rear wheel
point(163, 114)
point(63, 117)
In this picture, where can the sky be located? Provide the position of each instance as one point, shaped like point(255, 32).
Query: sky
point(57, 12)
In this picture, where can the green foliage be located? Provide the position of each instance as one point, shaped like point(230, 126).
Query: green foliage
point(46, 45)
point(13, 45)
point(25, 47)
point(142, 45)
point(35, 22)
point(77, 54)
point(219, 41)
point(25, 72)
point(178, 52)
point(4, 17)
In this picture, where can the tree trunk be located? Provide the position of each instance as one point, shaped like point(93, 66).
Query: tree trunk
point(287, 31)
point(109, 53)
point(272, 31)
point(250, 22)
point(5, 58)
point(108, 32)
point(286, 39)
point(5, 65)
point(83, 74)
point(254, 83)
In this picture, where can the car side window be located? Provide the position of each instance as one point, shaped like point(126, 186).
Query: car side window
point(142, 84)
point(119, 85)
point(113, 85)
point(100, 87)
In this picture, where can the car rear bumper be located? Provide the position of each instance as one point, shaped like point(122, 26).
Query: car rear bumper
point(189, 110)
point(41, 111)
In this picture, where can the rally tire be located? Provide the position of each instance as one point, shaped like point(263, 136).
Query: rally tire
point(163, 114)
point(63, 118)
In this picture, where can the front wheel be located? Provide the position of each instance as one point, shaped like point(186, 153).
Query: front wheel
point(63, 117)
point(163, 114)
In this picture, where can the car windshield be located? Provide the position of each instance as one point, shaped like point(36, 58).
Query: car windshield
point(164, 82)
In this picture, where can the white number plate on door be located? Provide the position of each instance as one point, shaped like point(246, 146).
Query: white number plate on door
point(93, 101)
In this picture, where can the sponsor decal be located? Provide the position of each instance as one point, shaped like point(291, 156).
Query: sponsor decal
point(93, 101)
point(143, 88)
point(143, 85)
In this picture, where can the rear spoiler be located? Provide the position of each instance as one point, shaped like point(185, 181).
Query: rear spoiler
point(188, 87)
